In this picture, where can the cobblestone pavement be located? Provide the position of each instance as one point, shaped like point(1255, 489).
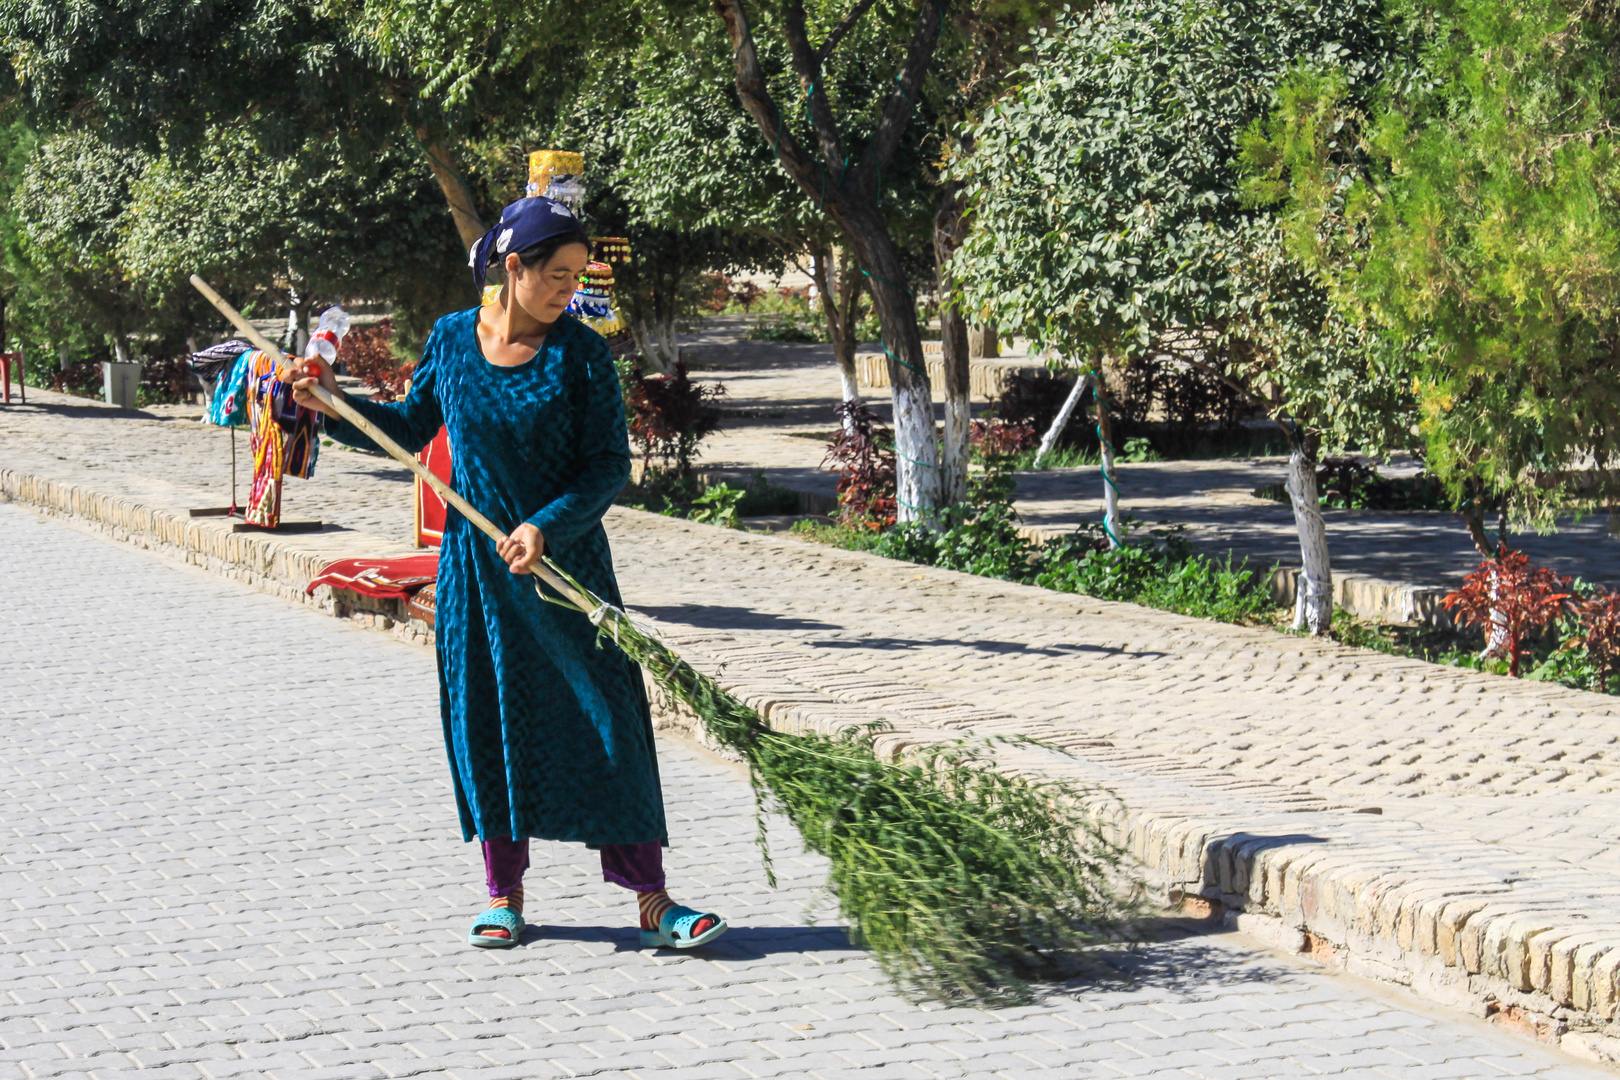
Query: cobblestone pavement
point(232, 852)
point(1193, 710)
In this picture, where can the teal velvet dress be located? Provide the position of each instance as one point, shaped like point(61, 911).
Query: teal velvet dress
point(548, 730)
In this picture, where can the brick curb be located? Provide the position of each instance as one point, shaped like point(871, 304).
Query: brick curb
point(1363, 894)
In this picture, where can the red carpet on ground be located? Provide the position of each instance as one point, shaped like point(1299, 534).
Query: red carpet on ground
point(386, 578)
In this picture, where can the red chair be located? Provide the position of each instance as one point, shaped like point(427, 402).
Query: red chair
point(429, 507)
point(7, 360)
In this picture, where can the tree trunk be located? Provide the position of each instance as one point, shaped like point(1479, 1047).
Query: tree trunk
point(462, 210)
point(853, 202)
point(948, 232)
point(62, 357)
point(838, 288)
point(1061, 421)
point(983, 343)
point(649, 346)
point(917, 466)
point(1105, 445)
point(1313, 607)
point(1474, 517)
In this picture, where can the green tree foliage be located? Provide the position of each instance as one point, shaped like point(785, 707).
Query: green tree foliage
point(70, 202)
point(1110, 218)
point(331, 225)
point(1471, 211)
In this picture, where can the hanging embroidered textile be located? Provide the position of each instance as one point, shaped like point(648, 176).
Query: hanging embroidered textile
point(285, 438)
point(229, 406)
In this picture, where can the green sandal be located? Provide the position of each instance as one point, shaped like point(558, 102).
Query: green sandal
point(496, 919)
point(675, 929)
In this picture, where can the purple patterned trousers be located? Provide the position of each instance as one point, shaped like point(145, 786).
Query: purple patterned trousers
point(635, 866)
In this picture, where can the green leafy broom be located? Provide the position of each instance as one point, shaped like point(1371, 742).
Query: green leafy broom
point(962, 880)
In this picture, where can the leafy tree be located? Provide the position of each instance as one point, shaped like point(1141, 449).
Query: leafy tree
point(1110, 222)
point(330, 225)
point(847, 183)
point(73, 193)
point(688, 160)
point(1470, 209)
point(354, 74)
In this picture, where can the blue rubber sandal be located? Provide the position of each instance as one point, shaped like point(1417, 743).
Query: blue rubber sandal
point(675, 929)
point(497, 919)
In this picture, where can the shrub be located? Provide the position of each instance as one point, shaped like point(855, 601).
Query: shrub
point(1598, 636)
point(718, 506)
point(670, 415)
point(165, 382)
point(786, 328)
point(863, 453)
point(369, 356)
point(1032, 398)
point(1160, 570)
point(1001, 438)
point(1511, 602)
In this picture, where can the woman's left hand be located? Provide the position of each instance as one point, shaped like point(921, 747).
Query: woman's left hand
point(522, 548)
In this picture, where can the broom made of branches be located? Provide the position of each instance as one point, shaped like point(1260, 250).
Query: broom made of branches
point(963, 881)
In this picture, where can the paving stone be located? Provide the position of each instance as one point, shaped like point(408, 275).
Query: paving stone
point(149, 765)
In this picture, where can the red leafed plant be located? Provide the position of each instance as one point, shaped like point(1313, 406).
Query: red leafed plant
point(1599, 636)
point(671, 414)
point(864, 458)
point(1510, 600)
point(368, 355)
point(1001, 438)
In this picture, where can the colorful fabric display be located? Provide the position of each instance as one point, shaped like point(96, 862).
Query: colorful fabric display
point(209, 363)
point(229, 406)
point(285, 438)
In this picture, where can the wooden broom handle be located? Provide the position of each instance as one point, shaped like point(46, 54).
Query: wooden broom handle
point(348, 412)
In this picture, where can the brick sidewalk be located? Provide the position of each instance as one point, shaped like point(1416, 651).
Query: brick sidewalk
point(1422, 824)
point(233, 854)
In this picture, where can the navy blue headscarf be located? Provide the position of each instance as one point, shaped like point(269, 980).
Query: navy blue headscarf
point(523, 224)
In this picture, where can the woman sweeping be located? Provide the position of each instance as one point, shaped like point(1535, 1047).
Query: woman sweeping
point(549, 735)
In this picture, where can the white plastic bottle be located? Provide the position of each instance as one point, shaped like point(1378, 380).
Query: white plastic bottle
point(324, 342)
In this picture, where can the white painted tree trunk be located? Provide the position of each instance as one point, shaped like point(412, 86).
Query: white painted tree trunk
point(1049, 440)
point(917, 472)
point(847, 385)
point(954, 471)
point(648, 345)
point(1313, 606)
point(1111, 496)
point(1105, 447)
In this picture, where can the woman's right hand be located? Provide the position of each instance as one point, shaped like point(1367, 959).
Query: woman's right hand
point(316, 371)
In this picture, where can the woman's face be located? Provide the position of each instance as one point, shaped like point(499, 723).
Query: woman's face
point(545, 290)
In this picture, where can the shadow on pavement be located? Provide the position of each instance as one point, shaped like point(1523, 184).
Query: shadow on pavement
point(993, 647)
point(721, 617)
point(1176, 958)
point(91, 412)
point(738, 943)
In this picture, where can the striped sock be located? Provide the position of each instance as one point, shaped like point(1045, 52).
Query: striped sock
point(653, 906)
point(513, 900)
